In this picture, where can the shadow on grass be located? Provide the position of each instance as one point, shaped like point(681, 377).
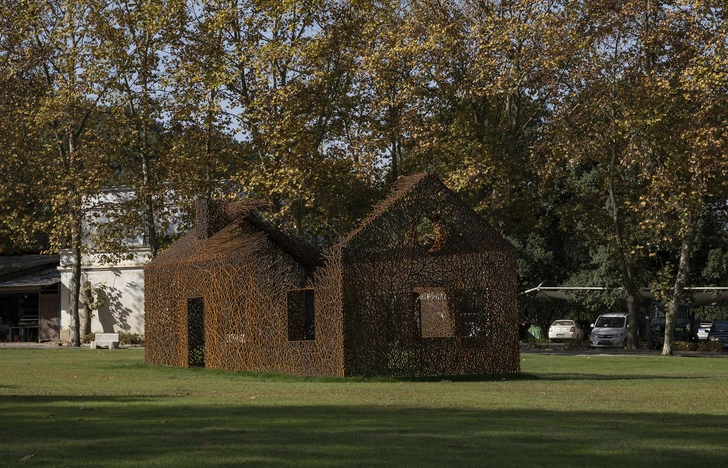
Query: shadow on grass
point(522, 376)
point(544, 376)
point(556, 376)
point(179, 431)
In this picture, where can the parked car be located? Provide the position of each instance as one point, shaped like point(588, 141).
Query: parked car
point(719, 332)
point(656, 332)
point(703, 330)
point(610, 330)
point(567, 330)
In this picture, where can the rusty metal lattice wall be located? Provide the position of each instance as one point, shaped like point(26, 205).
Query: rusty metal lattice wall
point(397, 283)
point(423, 287)
point(244, 272)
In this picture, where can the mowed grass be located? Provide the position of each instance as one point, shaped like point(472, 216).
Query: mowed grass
point(106, 408)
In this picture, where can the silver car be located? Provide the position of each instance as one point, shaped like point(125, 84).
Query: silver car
point(610, 330)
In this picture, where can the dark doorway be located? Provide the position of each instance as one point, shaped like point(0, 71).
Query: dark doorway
point(301, 315)
point(9, 306)
point(48, 313)
point(196, 332)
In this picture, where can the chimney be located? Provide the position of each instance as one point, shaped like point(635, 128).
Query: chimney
point(202, 218)
point(210, 217)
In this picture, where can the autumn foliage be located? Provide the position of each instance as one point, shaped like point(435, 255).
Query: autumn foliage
point(592, 134)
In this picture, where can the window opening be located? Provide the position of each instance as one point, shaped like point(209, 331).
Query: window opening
point(473, 316)
point(430, 235)
point(196, 332)
point(434, 316)
point(301, 315)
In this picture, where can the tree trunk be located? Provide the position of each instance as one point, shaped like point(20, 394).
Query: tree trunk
point(633, 304)
point(394, 166)
point(149, 218)
point(151, 228)
point(76, 280)
point(678, 291)
point(626, 261)
point(88, 300)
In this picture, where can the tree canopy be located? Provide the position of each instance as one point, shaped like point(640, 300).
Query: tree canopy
point(592, 135)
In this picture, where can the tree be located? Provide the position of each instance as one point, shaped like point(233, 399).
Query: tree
point(23, 212)
point(136, 37)
point(460, 88)
point(276, 77)
point(596, 136)
point(688, 134)
point(55, 41)
point(638, 133)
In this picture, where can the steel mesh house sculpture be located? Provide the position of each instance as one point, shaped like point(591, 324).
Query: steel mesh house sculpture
point(423, 287)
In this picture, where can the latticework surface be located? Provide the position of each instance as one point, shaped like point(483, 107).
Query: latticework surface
point(242, 279)
point(424, 287)
point(429, 288)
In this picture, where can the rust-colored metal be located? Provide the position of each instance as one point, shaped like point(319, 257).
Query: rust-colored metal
point(423, 287)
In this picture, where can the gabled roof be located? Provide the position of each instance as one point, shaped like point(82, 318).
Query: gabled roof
point(391, 224)
point(304, 253)
point(244, 232)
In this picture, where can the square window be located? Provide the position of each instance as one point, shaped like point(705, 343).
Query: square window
point(473, 310)
point(432, 311)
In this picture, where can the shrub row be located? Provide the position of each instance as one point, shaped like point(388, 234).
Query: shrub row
point(709, 346)
point(125, 338)
point(699, 346)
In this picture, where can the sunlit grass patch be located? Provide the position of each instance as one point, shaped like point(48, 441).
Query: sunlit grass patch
point(107, 408)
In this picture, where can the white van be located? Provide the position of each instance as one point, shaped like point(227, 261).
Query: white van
point(610, 330)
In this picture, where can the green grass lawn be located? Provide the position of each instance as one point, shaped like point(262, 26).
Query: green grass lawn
point(80, 408)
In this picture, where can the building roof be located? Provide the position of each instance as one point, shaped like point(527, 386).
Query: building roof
point(699, 296)
point(29, 270)
point(46, 277)
point(10, 264)
point(241, 231)
point(390, 225)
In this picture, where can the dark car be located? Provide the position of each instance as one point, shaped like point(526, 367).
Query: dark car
point(656, 332)
point(719, 332)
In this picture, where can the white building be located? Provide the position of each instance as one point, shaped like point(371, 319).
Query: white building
point(117, 281)
point(120, 287)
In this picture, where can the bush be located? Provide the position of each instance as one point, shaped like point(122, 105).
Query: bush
point(684, 346)
point(710, 346)
point(88, 338)
point(127, 338)
point(700, 346)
